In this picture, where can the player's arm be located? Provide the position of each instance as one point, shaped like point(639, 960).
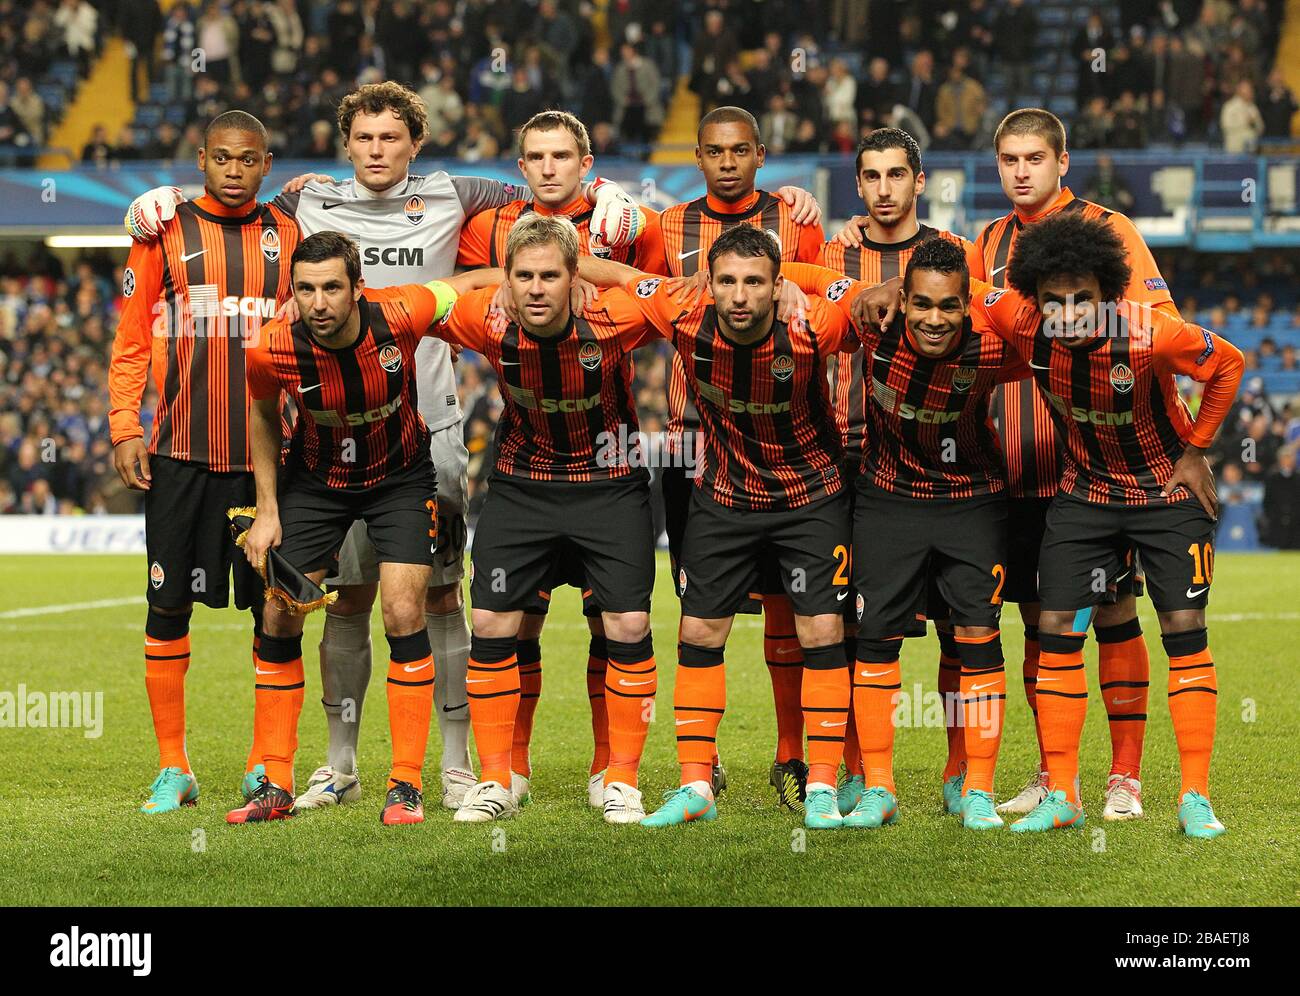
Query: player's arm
point(1146, 285)
point(651, 256)
point(659, 306)
point(606, 272)
point(264, 441)
point(469, 280)
point(811, 241)
point(834, 331)
point(1183, 348)
point(475, 247)
point(465, 322)
point(623, 309)
point(128, 370)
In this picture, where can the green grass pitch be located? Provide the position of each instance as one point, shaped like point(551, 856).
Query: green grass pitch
point(72, 834)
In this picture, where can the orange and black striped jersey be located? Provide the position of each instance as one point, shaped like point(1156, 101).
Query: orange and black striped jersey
point(770, 438)
point(1028, 434)
point(930, 435)
point(196, 300)
point(566, 396)
point(483, 237)
point(1114, 399)
point(689, 231)
point(871, 263)
point(357, 418)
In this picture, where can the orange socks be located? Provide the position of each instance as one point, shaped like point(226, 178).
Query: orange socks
point(983, 701)
point(255, 751)
point(1030, 669)
point(1125, 671)
point(1062, 708)
point(825, 700)
point(278, 695)
point(785, 667)
point(597, 663)
point(410, 703)
point(630, 685)
point(877, 681)
point(166, 660)
point(852, 750)
point(493, 688)
point(529, 653)
point(698, 703)
point(950, 689)
point(1193, 695)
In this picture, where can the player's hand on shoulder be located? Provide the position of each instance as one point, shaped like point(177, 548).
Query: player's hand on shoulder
point(792, 304)
point(876, 306)
point(1193, 472)
point(298, 182)
point(148, 212)
point(289, 313)
point(687, 291)
point(582, 295)
point(504, 302)
point(262, 535)
point(803, 206)
point(126, 455)
point(853, 232)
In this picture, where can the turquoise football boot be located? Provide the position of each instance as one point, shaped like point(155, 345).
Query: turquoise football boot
point(850, 794)
point(1197, 818)
point(683, 805)
point(878, 808)
point(251, 781)
point(952, 788)
point(977, 812)
point(821, 810)
point(171, 790)
point(1053, 813)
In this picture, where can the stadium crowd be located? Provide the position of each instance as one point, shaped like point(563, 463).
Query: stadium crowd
point(56, 331)
point(1132, 75)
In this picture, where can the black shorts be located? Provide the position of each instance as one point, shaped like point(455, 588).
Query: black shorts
point(400, 513)
point(567, 570)
point(725, 550)
point(187, 536)
point(527, 526)
point(1088, 545)
point(902, 542)
point(1026, 524)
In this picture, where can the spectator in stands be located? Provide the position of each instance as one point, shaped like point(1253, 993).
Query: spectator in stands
point(1279, 520)
point(1240, 120)
point(1107, 188)
point(805, 137)
point(256, 40)
point(77, 23)
point(604, 141)
point(1233, 69)
point(638, 110)
point(97, 152)
point(918, 93)
point(878, 94)
point(1128, 124)
point(479, 143)
point(778, 125)
point(345, 27)
point(30, 108)
point(124, 148)
point(1277, 107)
point(141, 21)
point(959, 107)
point(1090, 44)
point(1289, 364)
point(218, 39)
point(1128, 69)
point(715, 47)
point(734, 88)
point(765, 79)
point(1014, 32)
point(13, 132)
point(179, 41)
point(1092, 129)
point(187, 149)
point(840, 95)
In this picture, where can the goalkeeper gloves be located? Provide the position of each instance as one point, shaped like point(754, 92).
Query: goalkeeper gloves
point(145, 217)
point(616, 218)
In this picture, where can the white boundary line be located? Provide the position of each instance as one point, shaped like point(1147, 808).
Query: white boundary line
point(51, 610)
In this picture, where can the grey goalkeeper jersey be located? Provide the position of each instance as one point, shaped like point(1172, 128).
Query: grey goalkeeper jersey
point(408, 236)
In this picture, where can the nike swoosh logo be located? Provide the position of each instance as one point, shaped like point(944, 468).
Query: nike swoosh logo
point(831, 726)
point(1197, 592)
point(987, 684)
point(687, 255)
point(633, 684)
point(155, 643)
point(877, 356)
point(476, 681)
point(454, 708)
point(994, 272)
point(509, 363)
point(260, 671)
point(702, 359)
point(1125, 701)
point(328, 205)
point(304, 390)
point(688, 722)
point(1195, 677)
point(1035, 366)
point(1041, 680)
point(411, 670)
point(695, 816)
point(784, 651)
point(842, 595)
point(193, 255)
point(872, 674)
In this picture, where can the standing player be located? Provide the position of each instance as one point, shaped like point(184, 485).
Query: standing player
point(930, 502)
point(195, 299)
point(769, 491)
point(729, 152)
point(1135, 475)
point(360, 451)
point(556, 487)
point(554, 158)
point(889, 179)
point(408, 227)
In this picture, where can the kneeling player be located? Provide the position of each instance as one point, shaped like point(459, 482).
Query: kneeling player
point(360, 451)
point(929, 501)
point(1134, 475)
point(769, 487)
point(556, 488)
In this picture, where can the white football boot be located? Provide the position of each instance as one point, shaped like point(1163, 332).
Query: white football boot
point(485, 802)
point(1123, 798)
point(622, 803)
point(328, 787)
point(1028, 798)
point(596, 790)
point(455, 783)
